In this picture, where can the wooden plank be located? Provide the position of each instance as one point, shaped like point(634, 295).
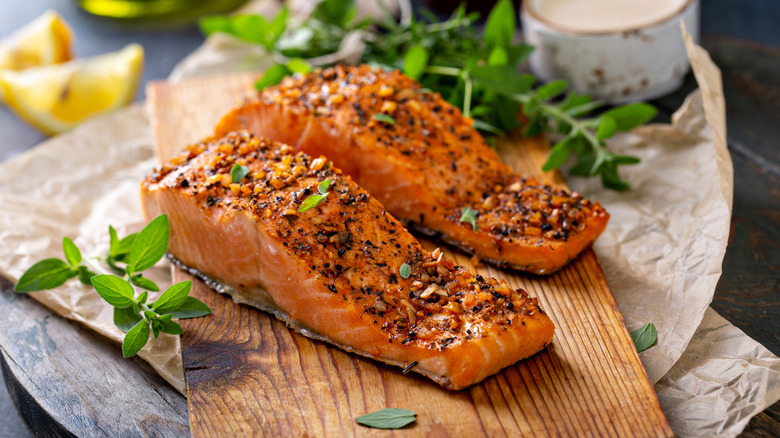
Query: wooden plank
point(67, 380)
point(248, 374)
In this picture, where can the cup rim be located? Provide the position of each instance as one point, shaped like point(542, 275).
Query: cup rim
point(529, 11)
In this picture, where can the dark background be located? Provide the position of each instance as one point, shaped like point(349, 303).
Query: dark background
point(743, 37)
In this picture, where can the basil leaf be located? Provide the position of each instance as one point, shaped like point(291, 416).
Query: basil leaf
point(150, 245)
point(469, 215)
point(607, 128)
point(388, 418)
point(44, 275)
point(311, 202)
point(114, 290)
point(384, 118)
point(644, 337)
point(272, 76)
point(630, 116)
point(405, 270)
point(72, 253)
point(172, 298)
point(125, 319)
point(238, 172)
point(135, 339)
point(145, 283)
point(415, 61)
point(191, 308)
point(500, 25)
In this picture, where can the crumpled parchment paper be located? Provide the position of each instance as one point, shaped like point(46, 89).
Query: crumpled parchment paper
point(661, 253)
point(665, 243)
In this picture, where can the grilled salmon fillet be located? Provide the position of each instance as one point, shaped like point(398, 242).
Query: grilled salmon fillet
point(345, 271)
point(425, 162)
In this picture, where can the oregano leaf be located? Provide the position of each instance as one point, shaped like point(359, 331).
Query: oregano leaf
point(191, 308)
point(644, 337)
point(172, 298)
point(114, 290)
point(72, 253)
point(469, 215)
point(388, 418)
point(150, 245)
point(135, 339)
point(44, 275)
point(405, 270)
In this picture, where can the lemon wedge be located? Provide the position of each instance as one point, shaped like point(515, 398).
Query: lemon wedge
point(44, 41)
point(56, 98)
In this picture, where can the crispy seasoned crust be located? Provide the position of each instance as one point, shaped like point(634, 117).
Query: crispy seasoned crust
point(348, 248)
point(426, 163)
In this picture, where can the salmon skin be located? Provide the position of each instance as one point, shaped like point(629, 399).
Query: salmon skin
point(424, 161)
point(334, 272)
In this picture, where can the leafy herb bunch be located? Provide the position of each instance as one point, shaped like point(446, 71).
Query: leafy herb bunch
point(127, 258)
point(477, 72)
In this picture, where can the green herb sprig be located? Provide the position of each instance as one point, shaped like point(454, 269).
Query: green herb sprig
point(127, 257)
point(238, 172)
point(317, 198)
point(405, 270)
point(469, 215)
point(644, 337)
point(384, 118)
point(476, 72)
point(388, 418)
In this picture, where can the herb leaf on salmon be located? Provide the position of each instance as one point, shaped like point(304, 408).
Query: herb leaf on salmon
point(336, 275)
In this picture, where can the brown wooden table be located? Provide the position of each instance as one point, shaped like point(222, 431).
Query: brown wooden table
point(66, 394)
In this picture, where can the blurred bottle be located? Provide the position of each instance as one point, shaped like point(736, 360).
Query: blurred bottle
point(140, 9)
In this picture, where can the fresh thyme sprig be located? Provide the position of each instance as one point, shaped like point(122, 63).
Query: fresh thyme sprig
point(127, 257)
point(477, 72)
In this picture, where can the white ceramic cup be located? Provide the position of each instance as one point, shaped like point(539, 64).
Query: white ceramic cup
point(616, 65)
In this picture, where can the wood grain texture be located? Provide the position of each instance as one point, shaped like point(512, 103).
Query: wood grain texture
point(67, 380)
point(249, 375)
